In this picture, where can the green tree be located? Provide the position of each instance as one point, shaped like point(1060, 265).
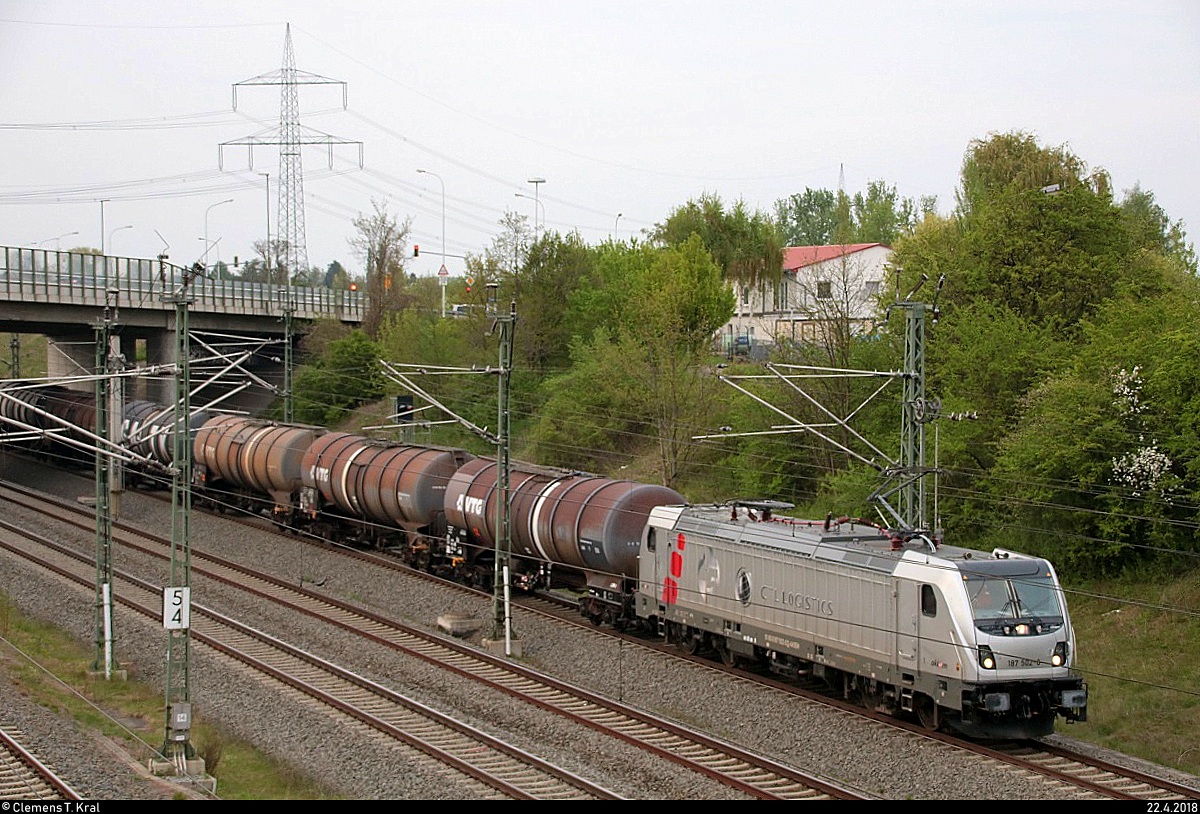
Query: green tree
point(1055, 299)
point(808, 218)
point(344, 378)
point(1150, 227)
point(641, 375)
point(820, 217)
point(1014, 162)
point(1105, 462)
point(336, 276)
point(881, 215)
point(554, 266)
point(601, 298)
point(1032, 232)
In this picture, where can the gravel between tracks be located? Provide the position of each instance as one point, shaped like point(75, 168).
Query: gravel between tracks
point(818, 739)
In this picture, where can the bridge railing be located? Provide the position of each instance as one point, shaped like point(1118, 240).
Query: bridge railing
point(38, 275)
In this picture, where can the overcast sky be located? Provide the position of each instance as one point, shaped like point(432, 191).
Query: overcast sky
point(626, 109)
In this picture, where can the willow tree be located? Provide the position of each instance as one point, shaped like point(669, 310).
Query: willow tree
point(747, 247)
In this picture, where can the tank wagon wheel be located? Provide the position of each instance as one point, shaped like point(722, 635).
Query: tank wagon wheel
point(421, 560)
point(482, 577)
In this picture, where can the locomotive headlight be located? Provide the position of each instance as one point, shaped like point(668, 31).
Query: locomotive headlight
point(1059, 657)
point(987, 659)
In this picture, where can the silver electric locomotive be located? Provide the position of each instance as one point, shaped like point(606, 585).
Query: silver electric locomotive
point(965, 640)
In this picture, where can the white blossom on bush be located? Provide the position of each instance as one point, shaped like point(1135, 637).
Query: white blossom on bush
point(1141, 470)
point(1127, 390)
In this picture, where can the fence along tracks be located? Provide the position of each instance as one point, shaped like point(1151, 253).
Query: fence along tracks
point(373, 704)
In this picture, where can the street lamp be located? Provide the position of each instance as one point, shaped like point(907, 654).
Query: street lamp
point(103, 201)
point(442, 271)
point(105, 258)
point(537, 185)
point(56, 239)
point(615, 223)
point(206, 211)
point(539, 206)
point(114, 231)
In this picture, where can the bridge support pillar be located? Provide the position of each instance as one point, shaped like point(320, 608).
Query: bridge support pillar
point(160, 350)
point(68, 356)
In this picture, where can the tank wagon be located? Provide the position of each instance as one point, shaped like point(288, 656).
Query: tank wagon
point(383, 494)
point(43, 417)
point(148, 429)
point(60, 413)
point(239, 461)
point(566, 529)
point(972, 641)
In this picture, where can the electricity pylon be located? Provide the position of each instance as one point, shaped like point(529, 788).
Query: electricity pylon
point(291, 251)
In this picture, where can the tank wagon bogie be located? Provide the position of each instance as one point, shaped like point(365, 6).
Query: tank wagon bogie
point(891, 626)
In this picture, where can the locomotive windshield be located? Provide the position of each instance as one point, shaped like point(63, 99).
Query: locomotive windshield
point(1015, 605)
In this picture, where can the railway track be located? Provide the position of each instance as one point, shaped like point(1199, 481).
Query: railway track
point(24, 777)
point(737, 769)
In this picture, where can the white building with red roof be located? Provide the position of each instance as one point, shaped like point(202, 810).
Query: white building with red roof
point(822, 291)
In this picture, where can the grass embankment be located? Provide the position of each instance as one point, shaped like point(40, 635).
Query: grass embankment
point(53, 669)
point(1141, 657)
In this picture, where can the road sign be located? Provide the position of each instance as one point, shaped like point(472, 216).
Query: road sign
point(443, 271)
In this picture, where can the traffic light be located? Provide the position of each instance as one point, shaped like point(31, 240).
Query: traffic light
point(416, 250)
point(354, 286)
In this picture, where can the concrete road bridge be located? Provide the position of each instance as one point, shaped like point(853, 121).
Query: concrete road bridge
point(66, 295)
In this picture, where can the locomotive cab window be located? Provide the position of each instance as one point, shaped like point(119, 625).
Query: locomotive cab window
point(650, 538)
point(1016, 605)
point(928, 601)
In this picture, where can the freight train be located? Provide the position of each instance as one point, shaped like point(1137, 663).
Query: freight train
point(976, 642)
